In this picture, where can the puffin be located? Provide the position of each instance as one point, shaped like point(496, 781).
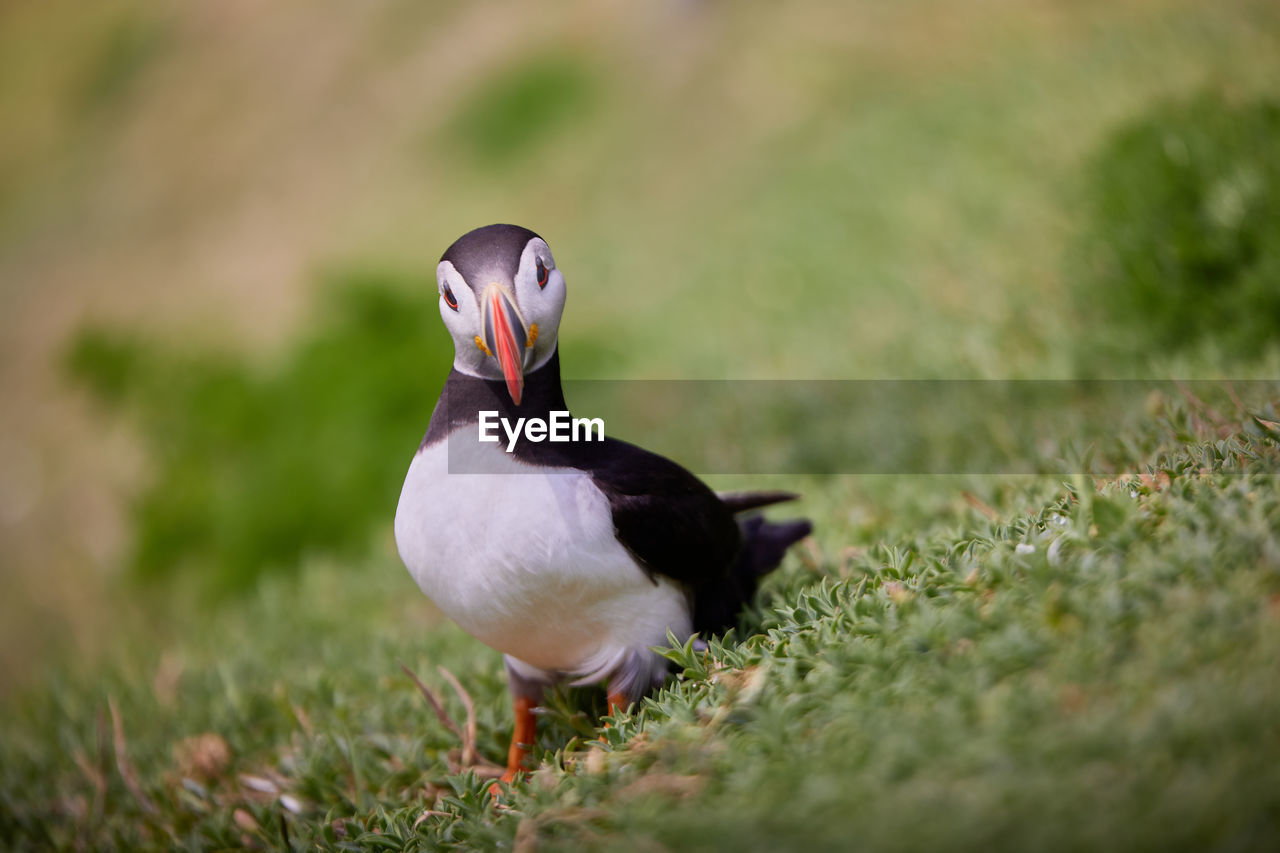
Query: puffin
point(574, 559)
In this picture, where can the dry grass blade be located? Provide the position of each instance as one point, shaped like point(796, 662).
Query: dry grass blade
point(127, 773)
point(811, 556)
point(469, 734)
point(1235, 398)
point(435, 703)
point(1215, 421)
point(980, 505)
point(304, 719)
point(96, 778)
point(664, 785)
point(526, 840)
point(469, 758)
point(167, 678)
point(1269, 426)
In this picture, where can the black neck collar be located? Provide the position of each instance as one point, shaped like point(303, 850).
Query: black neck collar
point(464, 397)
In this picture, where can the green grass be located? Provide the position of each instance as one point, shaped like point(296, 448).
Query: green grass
point(1091, 666)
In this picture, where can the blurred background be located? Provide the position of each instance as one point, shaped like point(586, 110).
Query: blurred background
point(219, 224)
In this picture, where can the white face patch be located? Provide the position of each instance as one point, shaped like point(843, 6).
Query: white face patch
point(463, 322)
point(540, 306)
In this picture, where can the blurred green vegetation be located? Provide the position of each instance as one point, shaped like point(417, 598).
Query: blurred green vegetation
point(128, 46)
point(1181, 245)
point(523, 108)
point(255, 467)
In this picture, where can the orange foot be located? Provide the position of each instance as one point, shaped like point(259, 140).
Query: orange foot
point(522, 738)
point(617, 702)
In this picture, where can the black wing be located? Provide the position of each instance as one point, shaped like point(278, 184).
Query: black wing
point(675, 526)
point(669, 520)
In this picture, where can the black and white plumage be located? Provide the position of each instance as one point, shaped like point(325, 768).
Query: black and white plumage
point(572, 559)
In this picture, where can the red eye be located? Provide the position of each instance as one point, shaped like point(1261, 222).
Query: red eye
point(543, 274)
point(448, 298)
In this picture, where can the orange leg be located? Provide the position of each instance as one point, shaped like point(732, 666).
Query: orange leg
point(617, 702)
point(521, 738)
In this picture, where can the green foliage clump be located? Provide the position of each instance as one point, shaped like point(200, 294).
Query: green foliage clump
point(126, 51)
point(523, 107)
point(255, 467)
point(1182, 246)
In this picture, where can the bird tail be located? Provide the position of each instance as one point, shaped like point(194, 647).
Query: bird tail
point(763, 545)
point(765, 542)
point(743, 501)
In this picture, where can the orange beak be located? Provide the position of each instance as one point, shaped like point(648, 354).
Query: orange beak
point(505, 335)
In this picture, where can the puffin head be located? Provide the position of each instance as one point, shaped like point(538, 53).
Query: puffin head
point(501, 298)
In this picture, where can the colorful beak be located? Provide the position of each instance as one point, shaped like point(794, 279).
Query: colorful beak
point(505, 335)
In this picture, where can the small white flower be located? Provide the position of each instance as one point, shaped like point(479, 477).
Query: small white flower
point(1025, 548)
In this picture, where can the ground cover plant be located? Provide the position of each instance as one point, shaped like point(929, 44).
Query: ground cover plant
point(1038, 663)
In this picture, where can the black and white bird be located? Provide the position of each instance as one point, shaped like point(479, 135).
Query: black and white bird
point(572, 559)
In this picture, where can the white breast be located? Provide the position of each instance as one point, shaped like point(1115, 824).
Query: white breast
point(525, 559)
